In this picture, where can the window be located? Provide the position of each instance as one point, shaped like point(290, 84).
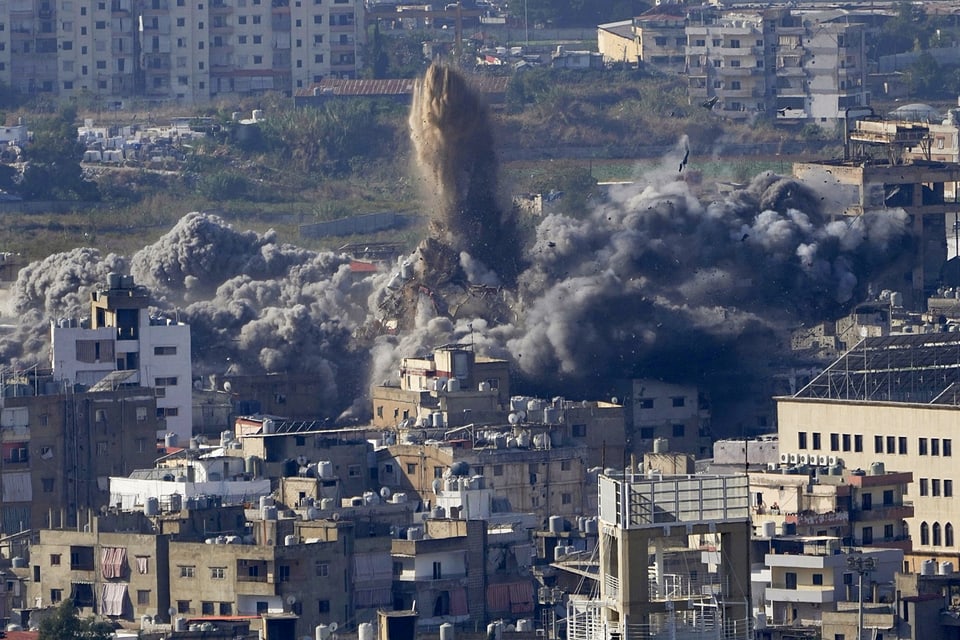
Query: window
point(934, 446)
point(143, 597)
point(318, 19)
point(645, 403)
point(579, 431)
point(802, 440)
point(437, 571)
point(397, 568)
point(678, 430)
point(818, 579)
point(948, 535)
point(323, 569)
point(257, 39)
point(242, 20)
point(283, 573)
point(226, 608)
point(141, 414)
point(498, 469)
point(866, 501)
point(169, 381)
point(103, 448)
point(834, 442)
point(48, 484)
point(888, 497)
point(242, 39)
point(218, 573)
point(167, 412)
point(891, 444)
point(790, 580)
point(411, 468)
point(354, 471)
point(56, 595)
point(858, 443)
point(924, 533)
point(318, 58)
point(566, 498)
point(565, 465)
point(816, 441)
point(935, 487)
point(318, 39)
point(257, 59)
point(181, 22)
point(947, 447)
point(54, 559)
point(186, 571)
point(256, 19)
point(902, 445)
point(878, 444)
point(678, 401)
point(936, 534)
point(164, 351)
point(323, 606)
point(438, 472)
point(922, 446)
point(183, 606)
point(948, 488)
point(888, 531)
point(923, 486)
point(206, 608)
point(867, 535)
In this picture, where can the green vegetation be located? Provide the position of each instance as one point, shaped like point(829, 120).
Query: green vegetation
point(64, 624)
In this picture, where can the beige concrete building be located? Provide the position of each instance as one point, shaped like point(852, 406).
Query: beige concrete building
point(60, 450)
point(659, 518)
point(891, 400)
point(547, 480)
point(172, 50)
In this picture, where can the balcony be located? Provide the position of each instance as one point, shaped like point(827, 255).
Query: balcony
point(611, 585)
point(809, 595)
point(883, 512)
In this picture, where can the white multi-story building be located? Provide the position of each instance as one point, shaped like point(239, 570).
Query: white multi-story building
point(125, 346)
point(179, 50)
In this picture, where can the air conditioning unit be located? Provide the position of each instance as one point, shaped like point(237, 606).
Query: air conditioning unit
point(784, 458)
point(803, 458)
point(832, 460)
point(793, 458)
point(822, 460)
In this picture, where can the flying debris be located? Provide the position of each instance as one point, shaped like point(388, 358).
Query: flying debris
point(709, 104)
point(686, 156)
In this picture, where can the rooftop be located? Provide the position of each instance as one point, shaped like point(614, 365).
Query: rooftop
point(911, 368)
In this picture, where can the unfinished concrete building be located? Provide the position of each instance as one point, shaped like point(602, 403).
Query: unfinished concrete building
point(673, 560)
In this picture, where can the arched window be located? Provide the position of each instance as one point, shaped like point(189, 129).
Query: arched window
point(936, 534)
point(948, 535)
point(924, 534)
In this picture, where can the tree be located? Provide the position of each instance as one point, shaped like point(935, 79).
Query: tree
point(924, 76)
point(53, 156)
point(65, 624)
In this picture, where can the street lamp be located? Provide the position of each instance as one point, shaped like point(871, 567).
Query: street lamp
point(862, 566)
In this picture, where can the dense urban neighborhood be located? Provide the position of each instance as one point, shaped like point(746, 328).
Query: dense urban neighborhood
point(331, 319)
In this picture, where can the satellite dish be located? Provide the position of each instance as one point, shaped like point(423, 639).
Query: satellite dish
point(333, 627)
point(227, 386)
point(385, 492)
point(614, 400)
point(171, 611)
point(291, 600)
point(336, 516)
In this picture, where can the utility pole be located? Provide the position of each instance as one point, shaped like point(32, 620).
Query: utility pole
point(862, 565)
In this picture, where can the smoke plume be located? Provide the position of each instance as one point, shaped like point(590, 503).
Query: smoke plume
point(653, 282)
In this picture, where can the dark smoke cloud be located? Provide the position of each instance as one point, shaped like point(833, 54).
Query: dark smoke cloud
point(652, 282)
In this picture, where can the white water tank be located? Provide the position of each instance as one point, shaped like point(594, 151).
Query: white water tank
point(414, 533)
point(661, 445)
point(453, 385)
point(928, 567)
point(877, 468)
point(524, 625)
point(769, 529)
point(325, 469)
point(268, 513)
point(266, 501)
point(446, 631)
point(289, 541)
point(365, 631)
point(945, 568)
point(151, 506)
point(170, 440)
point(176, 502)
point(556, 524)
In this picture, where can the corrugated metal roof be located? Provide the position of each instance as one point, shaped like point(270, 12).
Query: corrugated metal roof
point(392, 86)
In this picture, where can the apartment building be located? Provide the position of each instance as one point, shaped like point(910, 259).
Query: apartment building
point(177, 50)
point(860, 508)
point(123, 346)
point(821, 68)
point(658, 410)
point(730, 60)
point(892, 400)
point(60, 449)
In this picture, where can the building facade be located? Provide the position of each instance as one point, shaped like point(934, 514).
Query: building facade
point(176, 50)
point(124, 346)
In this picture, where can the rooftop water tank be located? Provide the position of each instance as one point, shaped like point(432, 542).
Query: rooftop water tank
point(151, 507)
